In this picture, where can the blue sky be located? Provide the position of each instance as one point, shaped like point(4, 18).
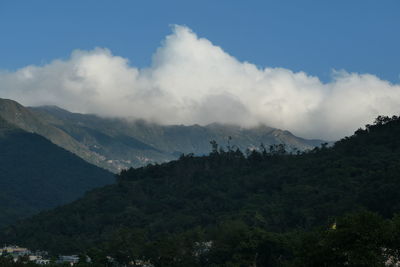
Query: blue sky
point(312, 36)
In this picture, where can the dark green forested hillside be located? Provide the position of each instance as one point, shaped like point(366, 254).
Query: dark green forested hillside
point(233, 199)
point(35, 174)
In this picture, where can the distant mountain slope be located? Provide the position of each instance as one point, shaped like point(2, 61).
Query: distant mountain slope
point(271, 190)
point(125, 143)
point(35, 174)
point(117, 144)
point(22, 117)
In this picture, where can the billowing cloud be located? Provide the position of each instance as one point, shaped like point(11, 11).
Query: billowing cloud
point(193, 81)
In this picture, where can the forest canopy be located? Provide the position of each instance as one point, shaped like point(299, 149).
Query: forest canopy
point(265, 206)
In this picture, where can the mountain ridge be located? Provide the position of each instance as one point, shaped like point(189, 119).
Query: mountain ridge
point(118, 143)
point(152, 143)
point(22, 117)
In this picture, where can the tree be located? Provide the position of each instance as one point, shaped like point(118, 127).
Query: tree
point(357, 240)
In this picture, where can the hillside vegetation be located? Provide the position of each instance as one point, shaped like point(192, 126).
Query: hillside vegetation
point(37, 175)
point(252, 207)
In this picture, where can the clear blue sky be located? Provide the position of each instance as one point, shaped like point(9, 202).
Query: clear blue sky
point(313, 36)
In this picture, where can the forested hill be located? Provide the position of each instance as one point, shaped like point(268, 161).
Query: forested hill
point(270, 190)
point(35, 174)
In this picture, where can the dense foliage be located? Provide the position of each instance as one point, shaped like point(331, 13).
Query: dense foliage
point(253, 208)
point(36, 174)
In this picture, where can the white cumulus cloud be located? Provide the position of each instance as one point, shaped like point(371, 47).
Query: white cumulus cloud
point(193, 81)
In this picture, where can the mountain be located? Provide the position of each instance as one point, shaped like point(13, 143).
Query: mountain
point(22, 117)
point(116, 144)
point(123, 143)
point(36, 174)
point(207, 195)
